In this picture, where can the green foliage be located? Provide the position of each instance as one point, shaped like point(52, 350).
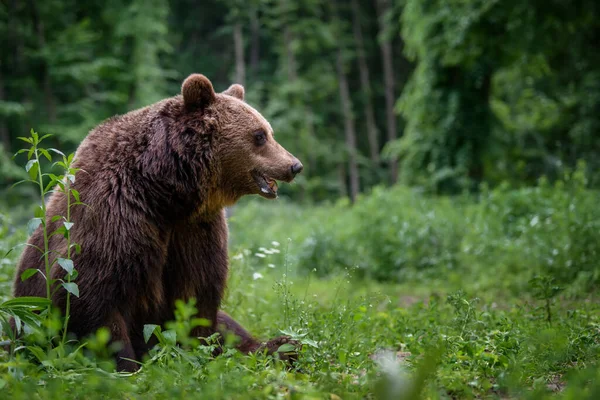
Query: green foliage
point(401, 234)
point(493, 91)
point(37, 314)
point(493, 97)
point(435, 338)
point(552, 229)
point(438, 342)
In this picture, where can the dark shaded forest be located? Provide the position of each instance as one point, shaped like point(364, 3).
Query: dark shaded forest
point(442, 241)
point(443, 95)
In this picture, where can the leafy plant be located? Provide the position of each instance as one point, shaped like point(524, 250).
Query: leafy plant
point(51, 183)
point(544, 288)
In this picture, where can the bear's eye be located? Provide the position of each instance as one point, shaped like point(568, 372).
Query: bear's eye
point(260, 137)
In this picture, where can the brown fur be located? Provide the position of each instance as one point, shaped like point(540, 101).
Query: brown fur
point(156, 181)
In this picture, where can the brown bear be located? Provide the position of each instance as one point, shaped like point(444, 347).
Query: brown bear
point(155, 182)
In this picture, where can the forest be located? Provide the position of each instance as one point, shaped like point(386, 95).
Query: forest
point(442, 241)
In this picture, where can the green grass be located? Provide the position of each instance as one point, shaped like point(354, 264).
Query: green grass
point(362, 339)
point(401, 296)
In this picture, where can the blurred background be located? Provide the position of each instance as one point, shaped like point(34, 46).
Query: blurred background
point(450, 119)
point(439, 94)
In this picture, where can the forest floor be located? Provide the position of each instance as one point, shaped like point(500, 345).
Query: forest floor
point(361, 340)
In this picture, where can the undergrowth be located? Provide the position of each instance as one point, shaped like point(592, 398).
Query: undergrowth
point(401, 296)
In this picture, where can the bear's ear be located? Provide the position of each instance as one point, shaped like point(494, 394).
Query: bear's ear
point(197, 92)
point(236, 91)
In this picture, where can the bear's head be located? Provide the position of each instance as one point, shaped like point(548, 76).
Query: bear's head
point(249, 159)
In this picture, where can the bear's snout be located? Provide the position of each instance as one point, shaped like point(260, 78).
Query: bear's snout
point(297, 167)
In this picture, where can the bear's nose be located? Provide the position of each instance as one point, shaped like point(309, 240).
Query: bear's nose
point(297, 168)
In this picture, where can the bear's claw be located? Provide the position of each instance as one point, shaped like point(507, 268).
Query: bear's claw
point(273, 346)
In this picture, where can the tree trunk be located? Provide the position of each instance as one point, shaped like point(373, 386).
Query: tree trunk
point(292, 75)
point(388, 77)
point(349, 128)
point(342, 189)
point(291, 58)
point(46, 79)
point(4, 136)
point(240, 66)
point(254, 40)
point(365, 84)
point(308, 115)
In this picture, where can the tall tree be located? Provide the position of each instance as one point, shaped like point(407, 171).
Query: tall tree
point(349, 127)
point(292, 75)
point(145, 29)
point(38, 23)
point(254, 39)
point(385, 44)
point(346, 105)
point(365, 84)
point(240, 63)
point(4, 136)
point(447, 101)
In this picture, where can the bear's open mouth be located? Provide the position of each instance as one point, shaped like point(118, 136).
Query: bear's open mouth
point(267, 186)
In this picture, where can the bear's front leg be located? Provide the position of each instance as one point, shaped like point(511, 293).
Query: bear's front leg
point(119, 333)
point(248, 344)
point(227, 326)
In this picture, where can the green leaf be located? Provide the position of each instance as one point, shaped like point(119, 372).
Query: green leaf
point(28, 273)
point(71, 287)
point(201, 322)
point(57, 152)
point(61, 230)
point(32, 225)
point(149, 330)
point(55, 218)
point(170, 337)
point(26, 301)
point(26, 315)
point(67, 265)
point(17, 323)
point(19, 182)
point(77, 247)
point(310, 342)
point(50, 185)
point(55, 178)
point(25, 139)
point(37, 352)
point(19, 152)
point(39, 212)
point(45, 136)
point(286, 348)
point(33, 168)
point(30, 164)
point(46, 154)
point(75, 194)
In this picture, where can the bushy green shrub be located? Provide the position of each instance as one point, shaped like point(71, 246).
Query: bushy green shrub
point(386, 235)
point(551, 230)
point(400, 231)
point(399, 234)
